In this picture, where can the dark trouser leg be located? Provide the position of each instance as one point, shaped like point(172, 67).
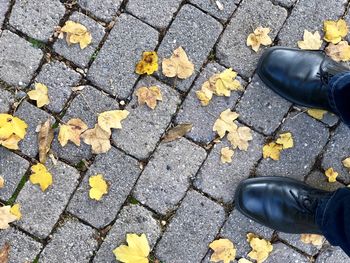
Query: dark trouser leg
point(333, 218)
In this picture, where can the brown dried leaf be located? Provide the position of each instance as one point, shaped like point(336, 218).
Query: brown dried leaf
point(45, 138)
point(177, 132)
point(4, 253)
point(98, 139)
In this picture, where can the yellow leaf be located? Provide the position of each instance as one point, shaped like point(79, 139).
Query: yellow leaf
point(243, 260)
point(331, 175)
point(226, 83)
point(40, 175)
point(45, 138)
point(224, 251)
point(316, 240)
point(226, 155)
point(316, 113)
point(136, 251)
point(10, 125)
point(177, 132)
point(111, 119)
point(40, 95)
point(346, 163)
point(311, 41)
point(99, 187)
point(272, 150)
point(76, 33)
point(259, 37)
point(225, 123)
point(148, 64)
point(240, 137)
point(261, 248)
point(15, 210)
point(178, 65)
point(149, 96)
point(11, 142)
point(98, 139)
point(2, 182)
point(339, 52)
point(205, 94)
point(71, 132)
point(334, 31)
point(6, 217)
point(286, 140)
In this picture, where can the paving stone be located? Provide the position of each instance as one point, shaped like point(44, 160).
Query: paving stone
point(220, 180)
point(282, 253)
point(193, 227)
point(4, 5)
point(23, 247)
point(41, 210)
point(203, 118)
point(144, 126)
point(294, 240)
point(33, 116)
point(285, 3)
point(146, 10)
point(18, 59)
point(261, 108)
point(319, 180)
point(59, 80)
point(114, 68)
point(73, 242)
point(232, 50)
point(37, 18)
point(197, 33)
point(211, 7)
point(12, 169)
point(132, 219)
point(121, 172)
point(105, 10)
point(236, 229)
point(6, 100)
point(86, 105)
point(332, 255)
point(74, 53)
point(168, 175)
point(309, 15)
point(336, 151)
point(310, 136)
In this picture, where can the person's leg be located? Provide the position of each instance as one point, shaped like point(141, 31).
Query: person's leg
point(333, 218)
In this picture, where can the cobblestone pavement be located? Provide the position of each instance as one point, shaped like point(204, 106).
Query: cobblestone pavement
point(177, 193)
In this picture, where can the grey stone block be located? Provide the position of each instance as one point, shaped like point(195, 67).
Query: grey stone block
point(310, 136)
point(146, 10)
point(86, 105)
point(285, 3)
point(337, 150)
point(220, 180)
point(121, 172)
point(144, 126)
point(309, 15)
point(18, 59)
point(283, 253)
point(168, 175)
point(73, 242)
point(33, 116)
point(194, 226)
point(114, 68)
point(132, 219)
point(22, 247)
point(236, 229)
point(232, 50)
point(74, 53)
point(203, 118)
point(37, 18)
point(197, 33)
point(294, 240)
point(332, 255)
point(59, 80)
point(105, 10)
point(261, 108)
point(12, 169)
point(319, 180)
point(4, 5)
point(41, 210)
point(211, 7)
point(6, 100)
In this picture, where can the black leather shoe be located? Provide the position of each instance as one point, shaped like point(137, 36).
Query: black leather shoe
point(300, 76)
point(280, 203)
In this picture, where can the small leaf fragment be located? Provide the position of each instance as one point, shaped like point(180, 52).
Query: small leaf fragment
point(5, 253)
point(98, 139)
point(45, 137)
point(178, 65)
point(316, 240)
point(16, 211)
point(6, 217)
point(98, 186)
point(272, 150)
point(40, 95)
point(71, 132)
point(316, 113)
point(243, 260)
point(334, 31)
point(331, 175)
point(226, 155)
point(136, 251)
point(225, 123)
point(111, 119)
point(224, 251)
point(346, 162)
point(148, 64)
point(2, 182)
point(311, 41)
point(40, 175)
point(259, 37)
point(286, 140)
point(177, 132)
point(261, 248)
point(149, 96)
